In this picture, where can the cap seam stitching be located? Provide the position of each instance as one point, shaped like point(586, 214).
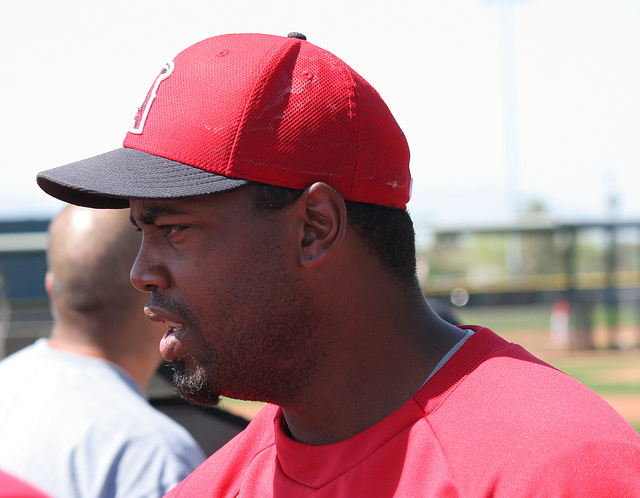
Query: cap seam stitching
point(259, 79)
point(353, 108)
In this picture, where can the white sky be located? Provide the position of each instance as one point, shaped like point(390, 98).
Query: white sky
point(503, 102)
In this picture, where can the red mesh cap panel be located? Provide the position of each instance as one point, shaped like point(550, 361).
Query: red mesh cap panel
point(298, 128)
point(279, 111)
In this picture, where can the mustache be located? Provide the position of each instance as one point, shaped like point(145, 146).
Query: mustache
point(174, 306)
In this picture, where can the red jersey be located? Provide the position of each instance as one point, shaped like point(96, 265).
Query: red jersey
point(493, 421)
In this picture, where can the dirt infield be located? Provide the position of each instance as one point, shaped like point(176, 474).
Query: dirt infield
point(627, 406)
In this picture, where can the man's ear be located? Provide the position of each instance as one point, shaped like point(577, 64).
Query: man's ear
point(48, 284)
point(323, 223)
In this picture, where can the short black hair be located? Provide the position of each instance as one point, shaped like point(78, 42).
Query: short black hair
point(387, 232)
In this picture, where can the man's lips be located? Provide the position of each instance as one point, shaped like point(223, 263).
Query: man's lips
point(170, 346)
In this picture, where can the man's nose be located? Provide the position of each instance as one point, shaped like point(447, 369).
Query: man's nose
point(147, 273)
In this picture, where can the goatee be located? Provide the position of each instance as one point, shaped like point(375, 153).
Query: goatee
point(193, 388)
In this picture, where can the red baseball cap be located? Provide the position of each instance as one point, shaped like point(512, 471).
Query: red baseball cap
point(242, 108)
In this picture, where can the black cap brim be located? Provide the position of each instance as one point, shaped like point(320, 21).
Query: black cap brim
point(110, 180)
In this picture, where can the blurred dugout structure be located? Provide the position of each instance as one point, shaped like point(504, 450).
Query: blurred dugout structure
point(575, 269)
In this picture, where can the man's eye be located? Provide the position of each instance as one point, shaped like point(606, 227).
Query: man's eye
point(171, 230)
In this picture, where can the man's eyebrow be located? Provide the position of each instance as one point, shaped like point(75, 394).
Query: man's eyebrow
point(151, 214)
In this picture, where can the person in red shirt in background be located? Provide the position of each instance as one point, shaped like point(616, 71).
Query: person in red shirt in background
point(12, 487)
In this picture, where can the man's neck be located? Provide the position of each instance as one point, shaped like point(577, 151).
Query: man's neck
point(356, 395)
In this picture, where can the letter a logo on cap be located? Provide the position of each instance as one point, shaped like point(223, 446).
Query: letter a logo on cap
point(137, 125)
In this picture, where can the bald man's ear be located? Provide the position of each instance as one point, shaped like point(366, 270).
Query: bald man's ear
point(48, 284)
point(323, 223)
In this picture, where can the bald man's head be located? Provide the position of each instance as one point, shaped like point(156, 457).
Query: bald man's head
point(90, 255)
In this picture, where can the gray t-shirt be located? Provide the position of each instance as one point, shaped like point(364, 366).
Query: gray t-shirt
point(80, 427)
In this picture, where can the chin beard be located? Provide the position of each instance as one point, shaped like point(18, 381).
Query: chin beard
point(194, 388)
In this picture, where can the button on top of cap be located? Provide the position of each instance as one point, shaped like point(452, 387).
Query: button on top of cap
point(295, 34)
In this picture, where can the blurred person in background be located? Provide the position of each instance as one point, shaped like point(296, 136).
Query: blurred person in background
point(74, 418)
